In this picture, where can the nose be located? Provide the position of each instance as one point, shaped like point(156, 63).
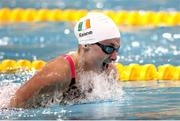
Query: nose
point(113, 56)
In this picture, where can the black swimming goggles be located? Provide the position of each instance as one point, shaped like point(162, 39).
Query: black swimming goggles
point(108, 49)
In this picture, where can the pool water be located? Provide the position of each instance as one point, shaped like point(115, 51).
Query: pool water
point(134, 99)
point(154, 5)
point(140, 100)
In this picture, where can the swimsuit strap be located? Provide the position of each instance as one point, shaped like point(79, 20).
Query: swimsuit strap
point(72, 65)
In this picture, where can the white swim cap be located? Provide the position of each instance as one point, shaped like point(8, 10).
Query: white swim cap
point(95, 27)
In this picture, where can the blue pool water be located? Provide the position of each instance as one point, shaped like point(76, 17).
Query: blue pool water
point(154, 5)
point(47, 40)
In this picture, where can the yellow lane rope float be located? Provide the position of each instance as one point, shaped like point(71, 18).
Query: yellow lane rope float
point(126, 72)
point(129, 18)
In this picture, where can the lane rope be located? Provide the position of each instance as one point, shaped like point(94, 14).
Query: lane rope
point(126, 72)
point(121, 18)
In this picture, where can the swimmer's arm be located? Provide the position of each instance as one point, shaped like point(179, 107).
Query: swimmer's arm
point(56, 71)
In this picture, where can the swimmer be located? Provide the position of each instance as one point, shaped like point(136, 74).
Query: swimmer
point(98, 45)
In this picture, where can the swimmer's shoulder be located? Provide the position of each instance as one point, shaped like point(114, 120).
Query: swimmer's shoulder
point(60, 59)
point(60, 64)
point(71, 52)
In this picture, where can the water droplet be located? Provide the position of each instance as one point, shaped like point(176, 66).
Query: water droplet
point(23, 54)
point(141, 61)
point(99, 5)
point(176, 36)
point(154, 37)
point(66, 31)
point(16, 54)
point(4, 41)
point(161, 50)
point(41, 39)
point(135, 44)
point(34, 58)
point(168, 36)
point(176, 52)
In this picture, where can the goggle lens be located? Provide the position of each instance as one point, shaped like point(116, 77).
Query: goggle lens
point(108, 49)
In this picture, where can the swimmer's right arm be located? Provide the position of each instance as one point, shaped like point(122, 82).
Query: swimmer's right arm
point(56, 71)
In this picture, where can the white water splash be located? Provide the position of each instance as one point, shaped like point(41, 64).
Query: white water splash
point(9, 83)
point(6, 93)
point(104, 87)
point(93, 88)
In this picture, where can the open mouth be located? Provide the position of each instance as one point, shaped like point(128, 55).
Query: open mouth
point(107, 61)
point(105, 65)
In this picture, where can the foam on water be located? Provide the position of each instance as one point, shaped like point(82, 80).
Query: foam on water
point(104, 87)
point(9, 83)
point(6, 92)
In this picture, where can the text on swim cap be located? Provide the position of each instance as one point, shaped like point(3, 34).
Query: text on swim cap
point(85, 33)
